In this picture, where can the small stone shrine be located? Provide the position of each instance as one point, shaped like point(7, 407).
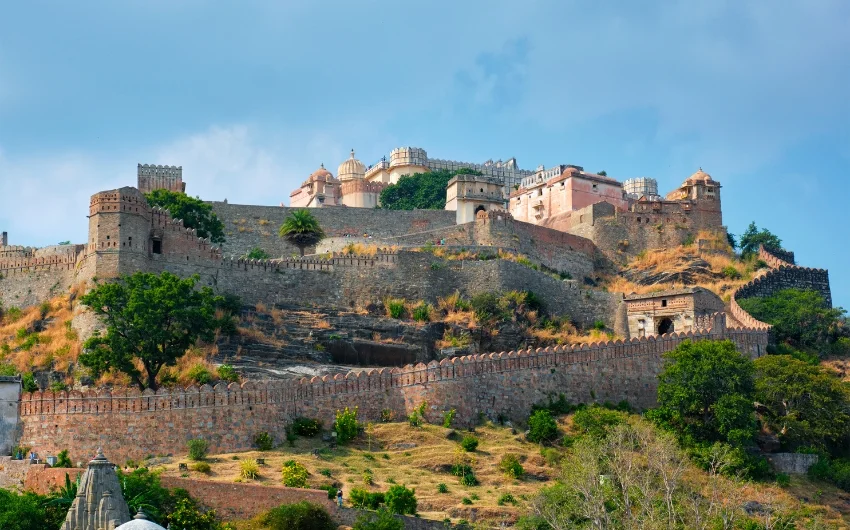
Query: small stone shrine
point(99, 504)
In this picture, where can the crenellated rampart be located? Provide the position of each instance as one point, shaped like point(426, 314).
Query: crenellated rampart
point(783, 274)
point(504, 384)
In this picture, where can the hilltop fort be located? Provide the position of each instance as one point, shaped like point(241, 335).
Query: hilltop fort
point(568, 225)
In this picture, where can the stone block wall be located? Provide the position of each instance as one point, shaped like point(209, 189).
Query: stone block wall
point(247, 227)
point(135, 424)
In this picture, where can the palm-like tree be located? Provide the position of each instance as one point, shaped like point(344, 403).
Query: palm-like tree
point(301, 229)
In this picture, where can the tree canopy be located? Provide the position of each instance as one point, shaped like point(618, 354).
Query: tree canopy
point(753, 237)
point(800, 318)
point(705, 392)
point(421, 191)
point(301, 229)
point(805, 405)
point(150, 319)
point(194, 212)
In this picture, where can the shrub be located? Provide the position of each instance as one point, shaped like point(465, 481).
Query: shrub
point(400, 499)
point(299, 516)
point(187, 514)
point(13, 314)
point(469, 443)
point(306, 427)
point(422, 312)
point(198, 449)
point(325, 472)
point(382, 520)
point(542, 427)
point(469, 479)
point(442, 488)
point(466, 500)
point(249, 469)
point(510, 466)
point(783, 480)
point(330, 489)
point(227, 373)
point(345, 425)
point(417, 417)
point(448, 418)
point(395, 307)
point(387, 415)
point(294, 474)
point(506, 498)
point(597, 421)
point(263, 441)
point(731, 273)
point(599, 325)
point(63, 460)
point(201, 467)
point(28, 382)
point(199, 374)
point(368, 479)
point(360, 498)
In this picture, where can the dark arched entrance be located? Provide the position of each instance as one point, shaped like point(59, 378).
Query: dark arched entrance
point(665, 325)
point(480, 209)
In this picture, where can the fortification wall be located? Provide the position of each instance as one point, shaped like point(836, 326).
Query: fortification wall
point(29, 282)
point(555, 249)
point(137, 424)
point(784, 274)
point(247, 227)
point(346, 282)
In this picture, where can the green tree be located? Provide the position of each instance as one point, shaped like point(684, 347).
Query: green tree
point(421, 191)
point(753, 237)
point(187, 515)
point(257, 253)
point(805, 405)
point(705, 392)
point(602, 173)
point(299, 516)
point(301, 229)
point(800, 318)
point(149, 318)
point(194, 212)
point(29, 511)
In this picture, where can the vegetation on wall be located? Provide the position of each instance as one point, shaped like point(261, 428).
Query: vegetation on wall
point(301, 229)
point(421, 191)
point(151, 320)
point(194, 212)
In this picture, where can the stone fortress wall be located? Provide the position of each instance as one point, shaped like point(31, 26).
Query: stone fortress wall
point(783, 274)
point(498, 384)
point(29, 276)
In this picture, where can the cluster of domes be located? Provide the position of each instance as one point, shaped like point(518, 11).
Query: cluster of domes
point(700, 176)
point(351, 169)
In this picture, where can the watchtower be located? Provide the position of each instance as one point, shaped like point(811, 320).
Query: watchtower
point(153, 177)
point(470, 194)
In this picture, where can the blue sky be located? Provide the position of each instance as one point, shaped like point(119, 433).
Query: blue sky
point(250, 97)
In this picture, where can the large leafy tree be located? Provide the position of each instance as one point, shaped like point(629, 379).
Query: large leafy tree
point(800, 318)
point(301, 229)
point(29, 511)
point(805, 405)
point(194, 212)
point(421, 191)
point(705, 392)
point(753, 237)
point(151, 320)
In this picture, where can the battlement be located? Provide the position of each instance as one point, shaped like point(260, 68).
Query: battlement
point(363, 382)
point(153, 177)
point(782, 275)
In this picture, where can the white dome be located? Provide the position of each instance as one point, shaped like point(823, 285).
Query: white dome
point(351, 169)
point(140, 522)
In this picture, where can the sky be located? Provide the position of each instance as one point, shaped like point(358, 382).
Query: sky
point(250, 97)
